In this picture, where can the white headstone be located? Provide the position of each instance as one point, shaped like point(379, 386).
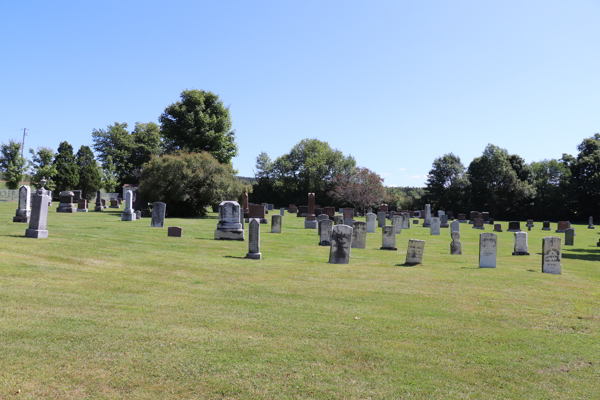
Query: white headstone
point(371, 221)
point(454, 227)
point(325, 232)
point(388, 238)
point(434, 226)
point(520, 244)
point(415, 252)
point(487, 250)
point(254, 239)
point(551, 255)
point(276, 222)
point(397, 221)
point(229, 226)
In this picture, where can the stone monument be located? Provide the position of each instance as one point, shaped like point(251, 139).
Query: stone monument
point(253, 238)
point(276, 223)
point(24, 210)
point(325, 231)
point(546, 226)
point(229, 226)
point(551, 255)
point(415, 252)
point(397, 221)
point(371, 221)
point(434, 226)
point(569, 237)
point(487, 250)
point(38, 220)
point(455, 245)
point(311, 219)
point(591, 223)
point(427, 221)
point(514, 226)
point(341, 243)
point(99, 205)
point(66, 202)
point(521, 247)
point(388, 238)
point(381, 218)
point(359, 235)
point(158, 214)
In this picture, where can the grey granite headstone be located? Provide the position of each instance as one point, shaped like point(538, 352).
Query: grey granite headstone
point(546, 226)
point(434, 225)
point(487, 250)
point(591, 223)
point(551, 255)
point(454, 227)
point(455, 245)
point(569, 237)
point(381, 218)
point(276, 223)
point(388, 238)
point(341, 243)
point(415, 252)
point(405, 220)
point(128, 213)
point(158, 215)
point(359, 235)
point(229, 226)
point(320, 218)
point(282, 211)
point(38, 221)
point(253, 239)
point(325, 231)
point(99, 205)
point(444, 221)
point(371, 221)
point(338, 220)
point(427, 220)
point(521, 247)
point(24, 211)
point(397, 220)
point(66, 202)
point(138, 215)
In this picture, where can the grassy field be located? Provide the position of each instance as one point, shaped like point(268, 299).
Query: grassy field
point(104, 309)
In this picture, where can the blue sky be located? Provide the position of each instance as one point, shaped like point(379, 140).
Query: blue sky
point(394, 83)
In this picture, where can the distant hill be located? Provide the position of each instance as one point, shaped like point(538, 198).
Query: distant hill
point(251, 181)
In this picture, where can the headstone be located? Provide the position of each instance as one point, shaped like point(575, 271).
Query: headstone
point(103, 203)
point(546, 226)
point(282, 211)
point(371, 220)
point(491, 221)
point(292, 209)
point(591, 223)
point(422, 214)
point(38, 220)
point(271, 207)
point(66, 202)
point(229, 226)
point(569, 237)
point(381, 218)
point(384, 208)
point(341, 243)
point(114, 203)
point(257, 211)
point(454, 227)
point(487, 250)
point(514, 226)
point(521, 247)
point(370, 210)
point(159, 210)
point(302, 211)
point(99, 204)
point(276, 222)
point(472, 216)
point(388, 238)
point(128, 213)
point(478, 223)
point(427, 221)
point(24, 210)
point(338, 220)
point(138, 214)
point(391, 215)
point(462, 218)
point(497, 227)
point(325, 230)
point(405, 220)
point(253, 239)
point(551, 255)
point(348, 214)
point(76, 195)
point(82, 205)
point(455, 245)
point(246, 208)
point(434, 226)
point(311, 219)
point(530, 223)
point(342, 211)
point(320, 218)
point(359, 235)
point(562, 226)
point(318, 211)
point(440, 213)
point(175, 231)
point(415, 252)
point(397, 223)
point(329, 211)
point(486, 216)
point(444, 221)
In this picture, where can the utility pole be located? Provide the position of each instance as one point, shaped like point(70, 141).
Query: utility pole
point(23, 144)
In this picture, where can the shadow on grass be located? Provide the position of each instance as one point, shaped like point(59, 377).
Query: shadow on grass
point(238, 258)
point(406, 265)
point(586, 257)
point(16, 236)
point(470, 268)
point(201, 238)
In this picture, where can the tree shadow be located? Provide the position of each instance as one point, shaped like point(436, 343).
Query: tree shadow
point(238, 258)
point(584, 257)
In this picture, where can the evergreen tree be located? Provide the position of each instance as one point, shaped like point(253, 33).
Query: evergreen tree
point(90, 178)
point(67, 172)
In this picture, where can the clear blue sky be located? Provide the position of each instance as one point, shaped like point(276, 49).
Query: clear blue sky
point(394, 83)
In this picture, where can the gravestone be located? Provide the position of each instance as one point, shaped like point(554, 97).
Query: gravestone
point(266, 207)
point(66, 202)
point(462, 218)
point(472, 216)
point(397, 223)
point(427, 221)
point(38, 220)
point(276, 222)
point(128, 213)
point(114, 203)
point(562, 226)
point(348, 214)
point(569, 237)
point(271, 207)
point(444, 221)
point(103, 203)
point(551, 255)
point(391, 215)
point(292, 209)
point(514, 226)
point(175, 231)
point(486, 216)
point(491, 221)
point(318, 211)
point(384, 208)
point(455, 245)
point(82, 205)
point(138, 215)
point(454, 227)
point(342, 211)
point(371, 221)
point(359, 235)
point(329, 211)
point(546, 226)
point(159, 210)
point(341, 243)
point(388, 238)
point(246, 208)
point(325, 231)
point(229, 226)
point(253, 239)
point(99, 204)
point(405, 220)
point(23, 213)
point(338, 220)
point(591, 223)
point(530, 223)
point(478, 223)
point(282, 211)
point(440, 213)
point(487, 250)
point(76, 196)
point(521, 247)
point(434, 226)
point(497, 227)
point(381, 218)
point(302, 211)
point(320, 218)
point(242, 217)
point(415, 252)
point(257, 211)
point(422, 214)
point(450, 215)
point(311, 219)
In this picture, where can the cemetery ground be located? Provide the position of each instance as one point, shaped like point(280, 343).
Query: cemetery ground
point(105, 309)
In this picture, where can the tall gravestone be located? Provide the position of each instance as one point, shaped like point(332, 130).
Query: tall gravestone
point(455, 245)
point(320, 218)
point(159, 210)
point(551, 255)
point(487, 250)
point(521, 247)
point(415, 252)
point(454, 227)
point(397, 221)
point(434, 226)
point(444, 221)
point(311, 219)
point(246, 208)
point(348, 216)
point(341, 243)
point(128, 213)
point(569, 237)
point(229, 226)
point(99, 205)
point(388, 238)
point(371, 221)
point(427, 221)
point(381, 218)
point(24, 211)
point(276, 222)
point(253, 239)
point(591, 223)
point(405, 220)
point(282, 211)
point(546, 226)
point(359, 235)
point(325, 231)
point(38, 221)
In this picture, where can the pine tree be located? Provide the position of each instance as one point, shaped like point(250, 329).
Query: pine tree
point(67, 171)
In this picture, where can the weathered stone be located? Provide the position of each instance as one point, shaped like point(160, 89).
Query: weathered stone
point(23, 213)
point(320, 218)
point(271, 207)
point(455, 245)
point(175, 231)
point(591, 223)
point(530, 223)
point(76, 195)
point(562, 226)
point(405, 220)
point(384, 208)
point(128, 213)
point(257, 211)
point(158, 214)
point(546, 226)
point(454, 227)
point(415, 252)
point(276, 223)
point(229, 226)
point(397, 221)
point(427, 221)
point(341, 243)
point(478, 223)
point(114, 203)
point(388, 238)
point(82, 205)
point(551, 255)
point(521, 247)
point(487, 250)
point(38, 221)
point(434, 226)
point(348, 222)
point(472, 216)
point(325, 230)
point(338, 220)
point(138, 215)
point(99, 204)
point(66, 202)
point(371, 221)
point(498, 228)
point(348, 214)
point(381, 218)
point(569, 237)
point(444, 221)
point(254, 239)
point(462, 218)
point(359, 235)
point(329, 211)
point(514, 226)
point(486, 216)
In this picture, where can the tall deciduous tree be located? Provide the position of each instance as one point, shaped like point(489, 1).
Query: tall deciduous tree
point(67, 171)
point(552, 182)
point(361, 188)
point(447, 184)
point(109, 176)
point(12, 164)
point(90, 177)
point(43, 166)
point(586, 175)
point(199, 122)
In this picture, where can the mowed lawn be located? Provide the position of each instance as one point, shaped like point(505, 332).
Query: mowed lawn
point(105, 309)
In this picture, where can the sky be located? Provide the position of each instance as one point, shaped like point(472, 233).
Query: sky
point(395, 84)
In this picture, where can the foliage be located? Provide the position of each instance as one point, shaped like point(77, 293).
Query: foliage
point(90, 178)
point(552, 182)
point(43, 167)
point(447, 184)
point(199, 122)
point(189, 182)
point(12, 164)
point(109, 176)
point(360, 188)
point(585, 171)
point(67, 171)
point(404, 198)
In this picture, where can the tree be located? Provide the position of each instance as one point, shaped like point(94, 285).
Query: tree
point(189, 183)
point(89, 173)
point(361, 188)
point(552, 182)
point(43, 167)
point(109, 176)
point(447, 184)
point(12, 164)
point(586, 175)
point(199, 122)
point(67, 171)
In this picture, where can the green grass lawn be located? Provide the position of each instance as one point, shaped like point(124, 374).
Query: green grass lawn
point(105, 309)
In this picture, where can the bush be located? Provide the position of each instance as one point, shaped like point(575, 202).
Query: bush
point(189, 182)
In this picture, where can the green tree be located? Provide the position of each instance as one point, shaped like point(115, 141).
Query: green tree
point(67, 172)
point(90, 178)
point(552, 182)
point(585, 171)
point(188, 183)
point(109, 176)
point(447, 183)
point(43, 167)
point(12, 164)
point(199, 122)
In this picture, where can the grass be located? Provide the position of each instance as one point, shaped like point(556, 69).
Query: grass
point(104, 309)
